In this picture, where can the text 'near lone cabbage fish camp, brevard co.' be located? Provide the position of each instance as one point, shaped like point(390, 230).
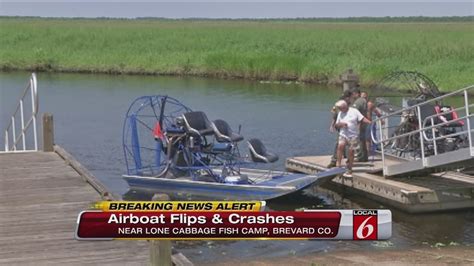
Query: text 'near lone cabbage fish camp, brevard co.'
point(226, 220)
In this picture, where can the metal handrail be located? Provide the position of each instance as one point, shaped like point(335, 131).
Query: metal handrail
point(416, 106)
point(10, 130)
point(424, 103)
point(445, 113)
point(423, 127)
point(422, 130)
point(431, 117)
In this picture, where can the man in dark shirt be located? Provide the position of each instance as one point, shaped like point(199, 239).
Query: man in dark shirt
point(371, 110)
point(360, 104)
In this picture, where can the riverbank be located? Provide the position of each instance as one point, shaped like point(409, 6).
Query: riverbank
point(416, 256)
point(295, 50)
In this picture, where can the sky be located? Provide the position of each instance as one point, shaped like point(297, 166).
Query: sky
point(234, 9)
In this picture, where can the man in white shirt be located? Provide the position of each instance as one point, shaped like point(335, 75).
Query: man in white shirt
point(347, 122)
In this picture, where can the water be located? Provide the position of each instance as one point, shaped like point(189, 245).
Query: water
point(291, 119)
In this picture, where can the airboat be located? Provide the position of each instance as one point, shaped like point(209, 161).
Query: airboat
point(169, 147)
point(447, 126)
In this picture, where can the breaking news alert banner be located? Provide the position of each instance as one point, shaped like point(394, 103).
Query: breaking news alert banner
point(226, 220)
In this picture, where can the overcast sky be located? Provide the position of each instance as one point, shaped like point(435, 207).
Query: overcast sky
point(234, 9)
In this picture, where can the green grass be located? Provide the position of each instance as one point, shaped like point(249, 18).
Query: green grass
point(304, 50)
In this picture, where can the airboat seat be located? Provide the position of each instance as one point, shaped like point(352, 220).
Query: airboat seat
point(197, 123)
point(224, 132)
point(259, 153)
point(174, 131)
point(217, 148)
point(449, 114)
point(428, 110)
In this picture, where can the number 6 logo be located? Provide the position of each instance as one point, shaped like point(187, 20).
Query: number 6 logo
point(365, 227)
point(362, 227)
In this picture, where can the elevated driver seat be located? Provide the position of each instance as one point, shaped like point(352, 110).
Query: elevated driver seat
point(259, 153)
point(224, 132)
point(196, 123)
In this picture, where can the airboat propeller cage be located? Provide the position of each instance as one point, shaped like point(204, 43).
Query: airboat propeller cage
point(142, 152)
point(408, 81)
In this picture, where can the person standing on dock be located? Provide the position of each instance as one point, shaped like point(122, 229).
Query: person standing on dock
point(360, 104)
point(346, 96)
point(348, 122)
point(371, 109)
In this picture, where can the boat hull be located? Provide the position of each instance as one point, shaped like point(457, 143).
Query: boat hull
point(280, 184)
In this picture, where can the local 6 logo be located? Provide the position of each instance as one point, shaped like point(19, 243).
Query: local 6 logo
point(365, 225)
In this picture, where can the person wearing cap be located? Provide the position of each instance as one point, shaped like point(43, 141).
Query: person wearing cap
point(360, 104)
point(346, 96)
point(348, 123)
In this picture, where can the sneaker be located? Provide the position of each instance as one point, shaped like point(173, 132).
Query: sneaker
point(347, 174)
point(331, 165)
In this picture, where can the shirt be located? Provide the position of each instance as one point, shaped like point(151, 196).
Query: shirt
point(352, 118)
point(335, 111)
point(361, 105)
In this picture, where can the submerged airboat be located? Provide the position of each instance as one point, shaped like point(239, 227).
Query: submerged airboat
point(169, 147)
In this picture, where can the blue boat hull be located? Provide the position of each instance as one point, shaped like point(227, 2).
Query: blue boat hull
point(276, 186)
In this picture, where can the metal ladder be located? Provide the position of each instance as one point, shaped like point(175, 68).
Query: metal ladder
point(426, 137)
point(18, 130)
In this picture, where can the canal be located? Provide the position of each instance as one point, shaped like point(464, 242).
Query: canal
point(291, 119)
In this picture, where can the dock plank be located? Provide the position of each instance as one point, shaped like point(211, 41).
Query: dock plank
point(319, 163)
point(40, 198)
point(64, 196)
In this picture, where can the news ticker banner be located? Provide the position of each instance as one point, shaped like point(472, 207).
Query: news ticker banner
point(177, 206)
point(227, 220)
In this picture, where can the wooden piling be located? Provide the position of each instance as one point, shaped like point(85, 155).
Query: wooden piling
point(160, 250)
point(48, 132)
point(349, 80)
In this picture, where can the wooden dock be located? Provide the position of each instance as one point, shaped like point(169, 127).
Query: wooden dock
point(436, 192)
point(319, 163)
point(40, 199)
point(41, 194)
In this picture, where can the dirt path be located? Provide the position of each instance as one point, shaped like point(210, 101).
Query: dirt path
point(425, 256)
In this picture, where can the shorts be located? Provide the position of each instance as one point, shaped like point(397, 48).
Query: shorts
point(368, 129)
point(352, 142)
